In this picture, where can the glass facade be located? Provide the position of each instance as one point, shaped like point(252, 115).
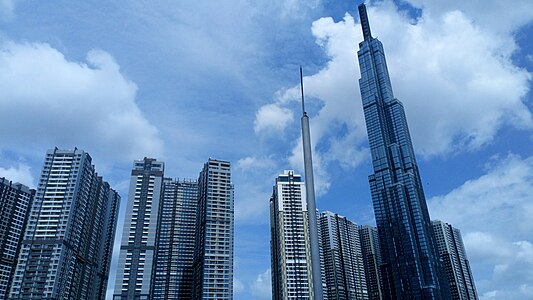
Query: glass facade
point(411, 267)
point(372, 260)
point(175, 251)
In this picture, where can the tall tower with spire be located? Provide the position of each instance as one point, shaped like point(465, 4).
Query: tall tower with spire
point(411, 267)
point(318, 292)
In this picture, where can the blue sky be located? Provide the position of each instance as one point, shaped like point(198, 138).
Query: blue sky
point(184, 81)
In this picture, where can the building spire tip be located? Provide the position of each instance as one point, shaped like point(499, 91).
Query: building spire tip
point(302, 89)
point(364, 22)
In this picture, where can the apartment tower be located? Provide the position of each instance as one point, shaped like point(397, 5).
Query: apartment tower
point(136, 268)
point(15, 204)
point(289, 239)
point(214, 233)
point(411, 265)
point(175, 251)
point(453, 255)
point(368, 236)
point(343, 260)
point(68, 241)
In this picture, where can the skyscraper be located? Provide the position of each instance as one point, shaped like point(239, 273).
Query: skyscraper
point(343, 261)
point(214, 231)
point(411, 267)
point(140, 233)
point(372, 260)
point(175, 251)
point(15, 203)
point(68, 241)
point(289, 239)
point(110, 219)
point(453, 255)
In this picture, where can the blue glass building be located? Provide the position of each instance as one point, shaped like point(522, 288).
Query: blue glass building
point(411, 268)
point(175, 250)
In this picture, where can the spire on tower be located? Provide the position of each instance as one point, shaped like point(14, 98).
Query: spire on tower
point(302, 89)
point(364, 22)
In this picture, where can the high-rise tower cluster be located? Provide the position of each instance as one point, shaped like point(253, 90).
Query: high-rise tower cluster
point(406, 256)
point(57, 240)
point(341, 269)
point(350, 255)
point(177, 239)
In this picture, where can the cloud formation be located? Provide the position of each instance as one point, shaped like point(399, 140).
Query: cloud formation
point(457, 80)
point(262, 287)
point(22, 174)
point(272, 117)
point(495, 219)
point(255, 176)
point(517, 13)
point(48, 100)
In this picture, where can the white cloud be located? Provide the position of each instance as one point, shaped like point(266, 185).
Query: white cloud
point(252, 196)
point(457, 80)
point(500, 197)
point(238, 287)
point(272, 117)
point(21, 173)
point(511, 15)
point(262, 286)
point(48, 100)
point(254, 163)
point(494, 214)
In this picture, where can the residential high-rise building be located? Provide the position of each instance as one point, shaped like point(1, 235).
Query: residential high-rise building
point(110, 219)
point(343, 260)
point(175, 251)
point(68, 241)
point(136, 270)
point(372, 260)
point(453, 255)
point(411, 266)
point(214, 231)
point(289, 242)
point(15, 203)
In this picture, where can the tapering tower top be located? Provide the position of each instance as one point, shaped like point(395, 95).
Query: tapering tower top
point(364, 22)
point(302, 89)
